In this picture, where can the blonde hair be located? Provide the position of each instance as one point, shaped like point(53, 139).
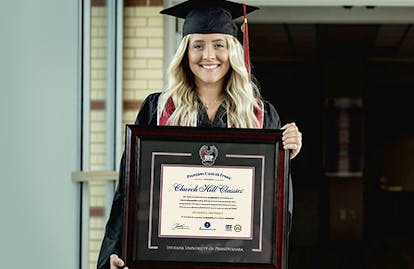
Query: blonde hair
point(241, 94)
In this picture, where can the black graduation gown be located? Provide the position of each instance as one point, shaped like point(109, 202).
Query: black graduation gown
point(147, 116)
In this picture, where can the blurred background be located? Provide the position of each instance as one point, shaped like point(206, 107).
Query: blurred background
point(73, 73)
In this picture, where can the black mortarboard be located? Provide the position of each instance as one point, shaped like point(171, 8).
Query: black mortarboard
point(212, 16)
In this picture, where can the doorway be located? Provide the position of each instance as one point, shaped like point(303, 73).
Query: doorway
point(301, 65)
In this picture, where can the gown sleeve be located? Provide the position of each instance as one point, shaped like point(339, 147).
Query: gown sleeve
point(112, 240)
point(271, 118)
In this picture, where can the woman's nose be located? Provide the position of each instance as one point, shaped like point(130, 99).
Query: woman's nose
point(209, 54)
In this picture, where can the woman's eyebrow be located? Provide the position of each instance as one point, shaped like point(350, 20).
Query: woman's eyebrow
point(198, 41)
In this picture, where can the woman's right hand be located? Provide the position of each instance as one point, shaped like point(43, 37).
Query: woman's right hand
point(116, 262)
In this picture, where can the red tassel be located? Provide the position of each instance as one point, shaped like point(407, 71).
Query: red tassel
point(246, 41)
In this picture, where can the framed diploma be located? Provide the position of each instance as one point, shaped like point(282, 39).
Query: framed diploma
point(205, 198)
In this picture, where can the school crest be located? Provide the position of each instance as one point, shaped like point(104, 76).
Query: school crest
point(208, 155)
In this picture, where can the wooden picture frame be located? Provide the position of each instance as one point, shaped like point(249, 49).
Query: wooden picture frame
point(205, 198)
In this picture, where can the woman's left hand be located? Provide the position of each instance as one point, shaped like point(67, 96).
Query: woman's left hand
point(292, 138)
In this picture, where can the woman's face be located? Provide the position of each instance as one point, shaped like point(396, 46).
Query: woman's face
point(208, 57)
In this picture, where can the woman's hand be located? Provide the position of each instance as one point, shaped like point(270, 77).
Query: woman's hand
point(292, 138)
point(116, 262)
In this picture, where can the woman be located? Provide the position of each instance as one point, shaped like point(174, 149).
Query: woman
point(209, 86)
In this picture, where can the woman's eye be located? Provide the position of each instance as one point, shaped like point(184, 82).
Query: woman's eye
point(198, 46)
point(219, 45)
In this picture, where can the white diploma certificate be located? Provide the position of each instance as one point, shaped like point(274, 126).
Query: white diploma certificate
point(214, 202)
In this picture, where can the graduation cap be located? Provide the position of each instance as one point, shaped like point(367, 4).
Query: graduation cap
point(205, 17)
point(213, 16)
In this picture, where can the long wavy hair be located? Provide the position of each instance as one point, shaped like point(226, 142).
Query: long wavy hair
point(241, 93)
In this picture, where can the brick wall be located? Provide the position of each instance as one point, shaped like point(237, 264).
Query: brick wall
point(98, 126)
point(143, 54)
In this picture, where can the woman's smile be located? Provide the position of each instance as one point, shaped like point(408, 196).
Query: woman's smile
point(209, 66)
